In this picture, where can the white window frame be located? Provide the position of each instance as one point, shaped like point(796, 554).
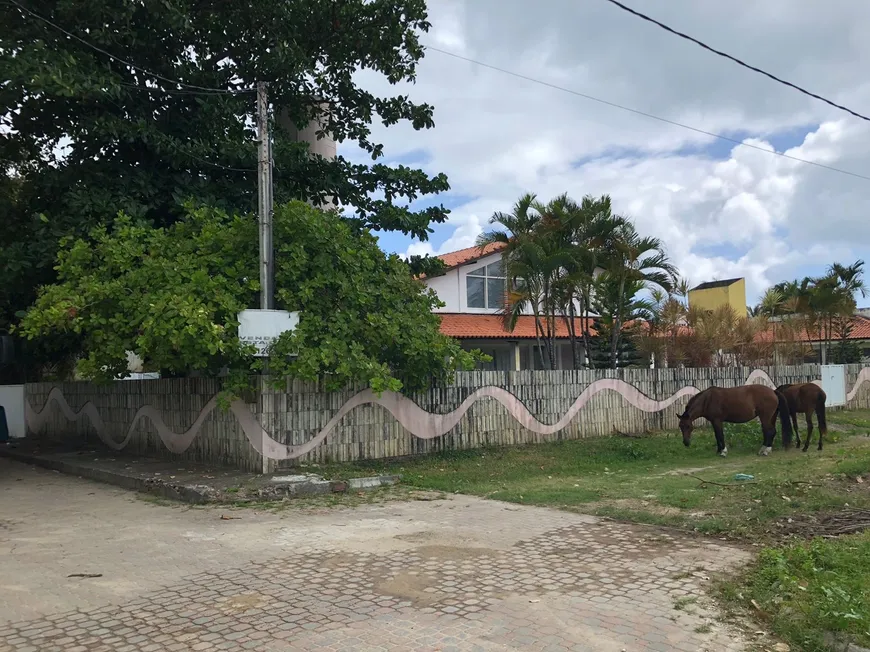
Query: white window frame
point(483, 273)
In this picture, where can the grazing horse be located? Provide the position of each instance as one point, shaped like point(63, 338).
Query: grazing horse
point(738, 405)
point(806, 398)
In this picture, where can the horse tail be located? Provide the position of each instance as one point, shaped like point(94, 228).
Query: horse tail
point(784, 419)
point(820, 413)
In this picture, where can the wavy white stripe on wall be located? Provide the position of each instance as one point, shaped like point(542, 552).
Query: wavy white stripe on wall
point(419, 422)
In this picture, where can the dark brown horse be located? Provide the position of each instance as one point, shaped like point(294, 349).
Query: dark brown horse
point(738, 405)
point(806, 398)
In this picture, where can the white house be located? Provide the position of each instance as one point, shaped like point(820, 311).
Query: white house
point(472, 290)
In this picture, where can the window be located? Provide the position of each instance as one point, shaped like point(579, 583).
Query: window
point(485, 287)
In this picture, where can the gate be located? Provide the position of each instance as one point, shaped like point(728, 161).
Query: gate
point(834, 384)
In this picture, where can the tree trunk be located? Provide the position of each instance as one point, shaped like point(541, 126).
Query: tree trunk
point(584, 326)
point(617, 325)
point(551, 339)
point(539, 331)
point(572, 333)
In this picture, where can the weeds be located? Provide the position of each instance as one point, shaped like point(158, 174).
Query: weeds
point(811, 589)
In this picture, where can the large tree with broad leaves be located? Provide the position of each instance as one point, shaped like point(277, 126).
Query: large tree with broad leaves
point(138, 107)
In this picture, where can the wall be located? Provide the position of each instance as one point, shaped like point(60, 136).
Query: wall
point(733, 295)
point(178, 418)
point(12, 400)
point(737, 297)
point(452, 288)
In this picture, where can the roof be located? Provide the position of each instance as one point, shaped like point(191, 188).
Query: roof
point(470, 254)
point(709, 285)
point(466, 326)
point(860, 331)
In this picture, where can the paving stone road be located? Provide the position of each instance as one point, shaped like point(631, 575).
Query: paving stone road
point(455, 574)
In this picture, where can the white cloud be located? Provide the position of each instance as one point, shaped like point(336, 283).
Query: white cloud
point(726, 211)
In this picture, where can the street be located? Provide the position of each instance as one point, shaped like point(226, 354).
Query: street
point(87, 567)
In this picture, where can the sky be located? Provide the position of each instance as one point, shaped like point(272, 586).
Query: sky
point(722, 210)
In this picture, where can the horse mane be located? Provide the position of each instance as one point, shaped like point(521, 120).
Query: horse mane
point(696, 398)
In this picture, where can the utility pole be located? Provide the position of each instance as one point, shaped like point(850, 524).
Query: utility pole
point(264, 187)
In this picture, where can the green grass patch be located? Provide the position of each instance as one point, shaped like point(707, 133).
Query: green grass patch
point(810, 589)
point(647, 479)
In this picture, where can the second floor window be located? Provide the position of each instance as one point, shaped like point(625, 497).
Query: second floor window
point(485, 287)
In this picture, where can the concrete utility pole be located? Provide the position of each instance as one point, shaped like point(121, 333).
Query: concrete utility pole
point(267, 262)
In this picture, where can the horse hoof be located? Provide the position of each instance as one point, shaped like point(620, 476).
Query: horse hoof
point(723, 452)
point(765, 450)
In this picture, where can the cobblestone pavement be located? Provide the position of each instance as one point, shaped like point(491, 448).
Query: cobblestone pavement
point(456, 574)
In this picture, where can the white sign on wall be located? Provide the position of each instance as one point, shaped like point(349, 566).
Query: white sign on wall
point(262, 327)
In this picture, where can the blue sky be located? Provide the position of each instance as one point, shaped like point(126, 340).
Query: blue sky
point(721, 210)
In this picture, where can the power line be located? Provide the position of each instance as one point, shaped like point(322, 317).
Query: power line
point(739, 62)
point(207, 89)
point(176, 91)
point(646, 115)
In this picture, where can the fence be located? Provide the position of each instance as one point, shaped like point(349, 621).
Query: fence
point(279, 428)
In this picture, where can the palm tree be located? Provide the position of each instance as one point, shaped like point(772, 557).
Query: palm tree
point(532, 262)
point(585, 230)
point(635, 259)
point(823, 302)
point(849, 277)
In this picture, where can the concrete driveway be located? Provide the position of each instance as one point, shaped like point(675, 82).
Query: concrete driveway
point(455, 574)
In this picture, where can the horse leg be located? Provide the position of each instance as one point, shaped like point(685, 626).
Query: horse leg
point(721, 448)
point(768, 431)
point(809, 415)
point(797, 433)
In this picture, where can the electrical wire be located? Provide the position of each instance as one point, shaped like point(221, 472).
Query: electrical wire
point(205, 89)
point(645, 114)
point(739, 62)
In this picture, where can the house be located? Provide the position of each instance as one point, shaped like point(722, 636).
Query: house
point(715, 294)
point(858, 335)
point(472, 290)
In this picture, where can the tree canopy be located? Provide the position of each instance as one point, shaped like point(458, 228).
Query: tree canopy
point(172, 296)
point(554, 253)
point(149, 105)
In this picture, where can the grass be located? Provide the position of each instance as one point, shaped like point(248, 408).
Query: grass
point(809, 589)
point(645, 479)
point(681, 603)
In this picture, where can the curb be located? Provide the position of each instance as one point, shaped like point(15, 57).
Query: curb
point(201, 494)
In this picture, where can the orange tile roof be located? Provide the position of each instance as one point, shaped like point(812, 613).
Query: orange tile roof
point(860, 331)
point(470, 254)
point(466, 326)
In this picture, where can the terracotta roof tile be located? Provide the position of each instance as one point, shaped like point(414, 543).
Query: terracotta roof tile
point(465, 326)
point(470, 254)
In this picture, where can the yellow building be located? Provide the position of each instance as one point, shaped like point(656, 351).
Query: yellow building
point(712, 295)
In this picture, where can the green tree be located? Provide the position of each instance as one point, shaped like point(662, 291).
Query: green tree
point(586, 232)
point(532, 264)
point(552, 255)
point(634, 259)
point(629, 354)
point(172, 296)
point(618, 307)
point(150, 104)
point(824, 301)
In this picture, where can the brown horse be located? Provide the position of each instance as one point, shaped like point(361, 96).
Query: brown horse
point(806, 398)
point(738, 405)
